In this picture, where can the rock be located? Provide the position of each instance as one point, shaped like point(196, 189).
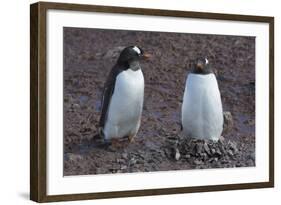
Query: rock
point(198, 162)
point(75, 106)
point(168, 152)
point(191, 147)
point(250, 122)
point(227, 122)
point(233, 146)
point(213, 151)
point(224, 161)
point(172, 137)
point(114, 168)
point(222, 148)
point(187, 156)
point(172, 140)
point(140, 156)
point(161, 152)
point(98, 56)
point(124, 155)
point(120, 161)
point(199, 148)
point(250, 163)
point(177, 154)
point(123, 167)
point(230, 153)
point(211, 160)
point(218, 152)
point(133, 161)
point(207, 149)
point(74, 157)
point(204, 156)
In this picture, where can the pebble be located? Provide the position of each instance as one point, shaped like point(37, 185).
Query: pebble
point(230, 152)
point(207, 149)
point(218, 152)
point(228, 122)
point(198, 162)
point(187, 156)
point(199, 148)
point(124, 155)
point(233, 146)
point(250, 163)
point(133, 161)
point(75, 106)
point(123, 167)
point(120, 161)
point(74, 157)
point(213, 151)
point(177, 155)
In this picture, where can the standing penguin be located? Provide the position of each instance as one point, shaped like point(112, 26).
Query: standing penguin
point(122, 99)
point(202, 114)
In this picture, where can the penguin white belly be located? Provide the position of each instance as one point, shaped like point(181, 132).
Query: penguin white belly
point(202, 115)
point(126, 104)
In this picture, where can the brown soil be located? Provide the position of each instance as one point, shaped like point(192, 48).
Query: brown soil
point(88, 58)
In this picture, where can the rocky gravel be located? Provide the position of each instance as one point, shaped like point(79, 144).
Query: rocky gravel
point(202, 154)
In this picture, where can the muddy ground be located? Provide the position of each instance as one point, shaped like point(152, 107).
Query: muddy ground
point(89, 54)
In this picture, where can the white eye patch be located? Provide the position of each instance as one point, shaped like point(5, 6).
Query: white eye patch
point(137, 50)
point(206, 61)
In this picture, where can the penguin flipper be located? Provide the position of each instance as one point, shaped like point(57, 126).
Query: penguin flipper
point(107, 94)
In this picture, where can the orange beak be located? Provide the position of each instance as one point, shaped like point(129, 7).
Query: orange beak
point(146, 56)
point(199, 66)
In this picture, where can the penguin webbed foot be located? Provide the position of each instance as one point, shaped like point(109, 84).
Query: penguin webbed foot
point(131, 138)
point(100, 141)
point(114, 144)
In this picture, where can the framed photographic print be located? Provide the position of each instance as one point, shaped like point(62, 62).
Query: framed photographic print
point(134, 102)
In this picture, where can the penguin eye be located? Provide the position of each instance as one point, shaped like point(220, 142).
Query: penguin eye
point(206, 61)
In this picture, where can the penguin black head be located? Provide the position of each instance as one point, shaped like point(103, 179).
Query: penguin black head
point(201, 66)
point(130, 55)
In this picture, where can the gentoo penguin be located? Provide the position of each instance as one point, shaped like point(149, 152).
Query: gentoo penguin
point(202, 114)
point(122, 99)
